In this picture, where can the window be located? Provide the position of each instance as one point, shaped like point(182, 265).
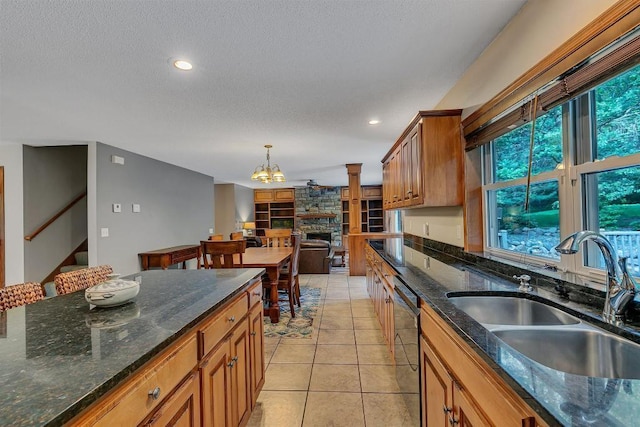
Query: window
point(534, 230)
point(585, 175)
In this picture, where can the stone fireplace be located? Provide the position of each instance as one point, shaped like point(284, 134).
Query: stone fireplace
point(319, 211)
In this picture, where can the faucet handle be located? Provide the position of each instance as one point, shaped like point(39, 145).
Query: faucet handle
point(524, 282)
point(627, 282)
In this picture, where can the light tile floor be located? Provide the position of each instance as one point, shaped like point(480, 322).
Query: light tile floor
point(342, 376)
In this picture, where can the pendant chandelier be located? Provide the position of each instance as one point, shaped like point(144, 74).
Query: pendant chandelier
point(268, 175)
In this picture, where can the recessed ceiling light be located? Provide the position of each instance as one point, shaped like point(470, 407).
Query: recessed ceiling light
point(374, 122)
point(182, 65)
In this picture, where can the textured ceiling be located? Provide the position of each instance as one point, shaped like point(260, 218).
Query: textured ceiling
point(304, 76)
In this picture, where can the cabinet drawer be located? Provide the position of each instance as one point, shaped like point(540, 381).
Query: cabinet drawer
point(255, 294)
point(131, 403)
point(213, 332)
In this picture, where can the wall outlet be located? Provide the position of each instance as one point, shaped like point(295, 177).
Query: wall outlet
point(136, 208)
point(427, 262)
point(117, 160)
point(117, 208)
point(211, 231)
point(425, 228)
point(104, 232)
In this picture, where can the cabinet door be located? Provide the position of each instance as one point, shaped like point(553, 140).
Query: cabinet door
point(215, 372)
point(284, 194)
point(182, 408)
point(256, 333)
point(263, 195)
point(414, 192)
point(389, 328)
point(405, 175)
point(435, 383)
point(466, 413)
point(386, 185)
point(240, 375)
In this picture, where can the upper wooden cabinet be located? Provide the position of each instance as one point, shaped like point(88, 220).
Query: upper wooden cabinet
point(424, 167)
point(274, 195)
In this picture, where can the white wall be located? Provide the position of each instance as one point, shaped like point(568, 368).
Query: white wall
point(444, 224)
point(538, 29)
point(177, 207)
point(54, 176)
point(233, 206)
point(11, 159)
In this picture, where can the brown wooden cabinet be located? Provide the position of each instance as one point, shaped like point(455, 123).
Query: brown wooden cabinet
point(424, 167)
point(457, 385)
point(182, 408)
point(211, 377)
point(256, 333)
point(380, 287)
point(274, 208)
point(371, 210)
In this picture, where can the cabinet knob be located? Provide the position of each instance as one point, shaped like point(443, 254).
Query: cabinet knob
point(253, 334)
point(409, 192)
point(155, 393)
point(453, 421)
point(445, 409)
point(234, 359)
point(231, 363)
point(232, 319)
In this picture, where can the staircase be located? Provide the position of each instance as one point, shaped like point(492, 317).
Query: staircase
point(81, 261)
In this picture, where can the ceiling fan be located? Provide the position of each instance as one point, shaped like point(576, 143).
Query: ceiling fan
point(315, 186)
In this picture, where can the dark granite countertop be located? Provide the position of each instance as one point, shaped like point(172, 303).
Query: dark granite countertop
point(58, 356)
point(559, 398)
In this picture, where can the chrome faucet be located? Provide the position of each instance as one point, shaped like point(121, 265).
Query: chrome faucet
point(619, 292)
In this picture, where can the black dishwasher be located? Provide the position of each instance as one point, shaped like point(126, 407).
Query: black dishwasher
point(405, 312)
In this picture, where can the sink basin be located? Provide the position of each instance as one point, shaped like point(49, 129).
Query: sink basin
point(498, 310)
point(581, 352)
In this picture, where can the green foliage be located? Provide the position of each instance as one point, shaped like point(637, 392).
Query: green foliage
point(620, 217)
point(617, 133)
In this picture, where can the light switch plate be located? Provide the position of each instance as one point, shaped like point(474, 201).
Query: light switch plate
point(211, 231)
point(117, 208)
point(104, 232)
point(117, 160)
point(136, 208)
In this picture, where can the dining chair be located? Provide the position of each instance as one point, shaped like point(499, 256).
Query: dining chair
point(236, 235)
point(278, 237)
point(76, 280)
point(223, 254)
point(216, 237)
point(289, 280)
point(19, 295)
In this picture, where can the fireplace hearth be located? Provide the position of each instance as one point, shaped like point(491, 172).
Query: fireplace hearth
point(319, 236)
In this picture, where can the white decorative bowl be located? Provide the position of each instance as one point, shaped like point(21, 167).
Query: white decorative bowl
point(112, 292)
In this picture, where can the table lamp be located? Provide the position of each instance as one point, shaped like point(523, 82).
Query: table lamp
point(249, 226)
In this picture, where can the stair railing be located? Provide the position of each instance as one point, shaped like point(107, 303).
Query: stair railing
point(56, 216)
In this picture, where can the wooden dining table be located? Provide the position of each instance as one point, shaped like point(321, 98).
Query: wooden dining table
point(272, 260)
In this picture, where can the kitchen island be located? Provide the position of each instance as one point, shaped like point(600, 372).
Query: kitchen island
point(60, 356)
point(553, 397)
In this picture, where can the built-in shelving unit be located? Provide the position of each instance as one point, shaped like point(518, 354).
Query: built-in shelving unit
point(274, 209)
point(371, 208)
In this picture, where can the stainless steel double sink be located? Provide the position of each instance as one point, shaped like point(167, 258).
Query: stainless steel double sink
point(553, 337)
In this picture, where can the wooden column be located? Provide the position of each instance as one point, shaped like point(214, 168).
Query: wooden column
point(355, 209)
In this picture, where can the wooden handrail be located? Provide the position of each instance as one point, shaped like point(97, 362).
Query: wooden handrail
point(56, 216)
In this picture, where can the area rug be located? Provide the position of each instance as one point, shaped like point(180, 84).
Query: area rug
point(300, 326)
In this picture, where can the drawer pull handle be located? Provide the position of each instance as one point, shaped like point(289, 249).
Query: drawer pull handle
point(155, 393)
point(232, 319)
point(257, 293)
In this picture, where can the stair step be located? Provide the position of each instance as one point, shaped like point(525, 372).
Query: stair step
point(82, 258)
point(67, 268)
